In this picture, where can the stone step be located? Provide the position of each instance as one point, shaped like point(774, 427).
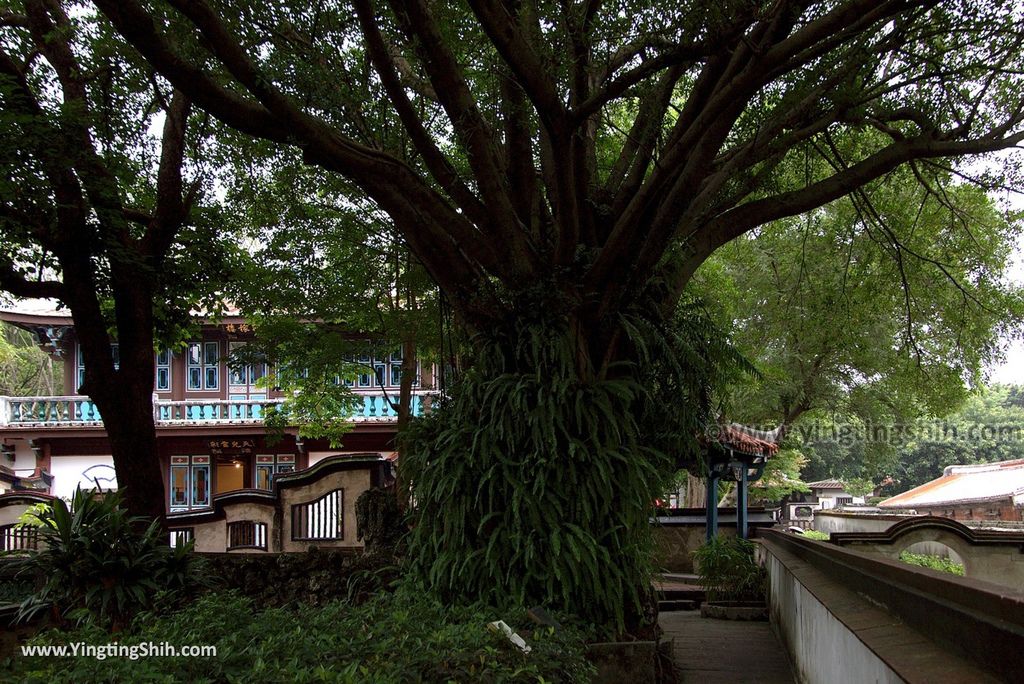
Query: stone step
point(681, 595)
point(674, 605)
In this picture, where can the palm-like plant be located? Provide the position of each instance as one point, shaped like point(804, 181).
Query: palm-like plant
point(98, 564)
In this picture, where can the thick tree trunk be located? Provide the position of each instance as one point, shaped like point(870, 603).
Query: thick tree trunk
point(408, 378)
point(133, 446)
point(124, 395)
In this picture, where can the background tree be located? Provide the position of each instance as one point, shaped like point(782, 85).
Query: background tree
point(95, 211)
point(330, 285)
point(879, 310)
point(561, 169)
point(25, 369)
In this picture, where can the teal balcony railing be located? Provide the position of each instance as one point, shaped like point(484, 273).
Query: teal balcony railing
point(79, 411)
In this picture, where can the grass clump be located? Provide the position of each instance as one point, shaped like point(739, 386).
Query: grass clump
point(933, 562)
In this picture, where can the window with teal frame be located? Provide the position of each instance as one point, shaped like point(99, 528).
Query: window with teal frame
point(202, 366)
point(80, 363)
point(163, 371)
point(189, 485)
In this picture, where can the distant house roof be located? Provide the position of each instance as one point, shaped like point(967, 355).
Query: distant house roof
point(964, 484)
point(34, 311)
point(826, 484)
point(52, 312)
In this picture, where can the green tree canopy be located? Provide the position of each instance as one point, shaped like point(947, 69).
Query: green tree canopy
point(880, 307)
point(25, 369)
point(100, 209)
point(561, 170)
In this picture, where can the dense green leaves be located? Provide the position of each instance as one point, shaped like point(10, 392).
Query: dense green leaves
point(728, 571)
point(99, 566)
point(392, 639)
point(533, 485)
point(26, 370)
point(881, 308)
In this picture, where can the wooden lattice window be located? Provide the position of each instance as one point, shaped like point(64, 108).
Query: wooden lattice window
point(18, 538)
point(247, 534)
point(319, 520)
point(181, 536)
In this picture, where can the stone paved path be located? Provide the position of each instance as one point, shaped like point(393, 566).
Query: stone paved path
point(711, 651)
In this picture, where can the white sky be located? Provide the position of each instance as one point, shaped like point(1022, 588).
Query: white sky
point(1011, 371)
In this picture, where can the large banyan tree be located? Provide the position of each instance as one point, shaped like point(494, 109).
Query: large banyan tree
point(562, 168)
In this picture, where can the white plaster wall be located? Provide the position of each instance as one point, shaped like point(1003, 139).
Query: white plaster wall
point(816, 640)
point(823, 522)
point(10, 514)
point(24, 459)
point(67, 473)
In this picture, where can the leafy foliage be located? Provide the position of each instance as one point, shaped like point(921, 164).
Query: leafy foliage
point(816, 535)
point(933, 562)
point(97, 565)
point(868, 313)
point(727, 570)
point(26, 370)
point(781, 476)
point(392, 639)
point(858, 486)
point(319, 254)
point(535, 484)
point(989, 427)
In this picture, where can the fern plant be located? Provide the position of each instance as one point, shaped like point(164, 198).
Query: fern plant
point(534, 482)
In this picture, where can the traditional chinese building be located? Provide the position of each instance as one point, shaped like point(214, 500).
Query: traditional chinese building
point(983, 492)
point(211, 437)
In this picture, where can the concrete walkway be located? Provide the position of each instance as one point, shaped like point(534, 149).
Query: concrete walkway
point(709, 651)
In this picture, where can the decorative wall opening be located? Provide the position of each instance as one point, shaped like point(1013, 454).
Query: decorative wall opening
point(247, 534)
point(181, 537)
point(321, 519)
point(18, 538)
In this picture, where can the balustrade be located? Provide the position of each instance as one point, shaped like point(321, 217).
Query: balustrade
point(75, 410)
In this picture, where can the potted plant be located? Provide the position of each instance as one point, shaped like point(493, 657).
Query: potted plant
point(733, 581)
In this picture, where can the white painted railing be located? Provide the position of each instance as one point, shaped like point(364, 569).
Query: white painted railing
point(77, 411)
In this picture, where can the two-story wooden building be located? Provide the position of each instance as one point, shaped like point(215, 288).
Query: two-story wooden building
point(211, 438)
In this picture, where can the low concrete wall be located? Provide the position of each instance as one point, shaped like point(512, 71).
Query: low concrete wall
point(837, 521)
point(995, 556)
point(674, 545)
point(846, 614)
point(819, 644)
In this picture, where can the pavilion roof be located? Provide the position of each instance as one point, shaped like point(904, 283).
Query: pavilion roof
point(747, 440)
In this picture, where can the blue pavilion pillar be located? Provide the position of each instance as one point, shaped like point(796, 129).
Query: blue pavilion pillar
point(741, 504)
point(712, 505)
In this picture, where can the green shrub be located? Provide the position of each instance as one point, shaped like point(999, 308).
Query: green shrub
point(933, 562)
point(815, 534)
point(727, 570)
point(98, 565)
point(407, 636)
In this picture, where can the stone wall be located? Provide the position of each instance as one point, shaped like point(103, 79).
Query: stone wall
point(316, 576)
